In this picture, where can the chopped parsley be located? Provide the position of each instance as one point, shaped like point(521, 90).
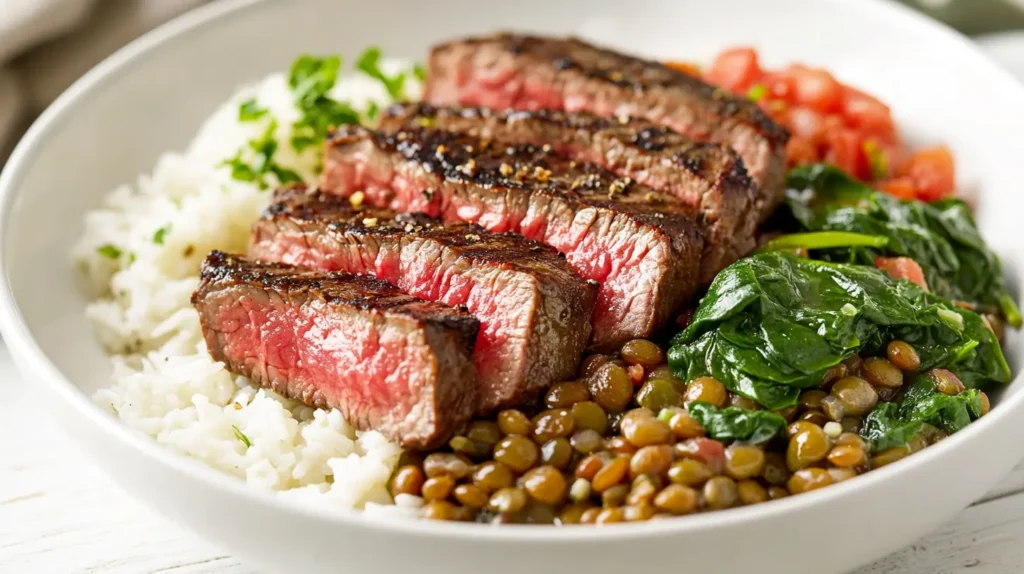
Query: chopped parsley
point(241, 436)
point(250, 111)
point(420, 72)
point(262, 163)
point(310, 79)
point(372, 109)
point(369, 64)
point(160, 234)
point(109, 251)
point(757, 92)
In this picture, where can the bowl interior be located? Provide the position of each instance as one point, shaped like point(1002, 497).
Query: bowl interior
point(112, 127)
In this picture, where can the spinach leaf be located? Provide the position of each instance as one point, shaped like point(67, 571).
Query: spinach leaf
point(894, 424)
point(737, 424)
point(250, 111)
point(773, 324)
point(942, 237)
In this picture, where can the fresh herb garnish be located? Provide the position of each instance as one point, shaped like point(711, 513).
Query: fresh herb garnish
point(160, 234)
point(369, 64)
point(757, 92)
point(261, 164)
point(372, 109)
point(420, 72)
point(109, 251)
point(736, 424)
point(249, 111)
point(241, 436)
point(310, 79)
point(894, 424)
point(773, 324)
point(941, 236)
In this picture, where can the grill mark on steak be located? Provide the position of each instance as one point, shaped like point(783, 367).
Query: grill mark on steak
point(534, 312)
point(641, 246)
point(388, 361)
point(706, 175)
point(532, 72)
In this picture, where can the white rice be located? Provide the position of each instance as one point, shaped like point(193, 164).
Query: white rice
point(164, 383)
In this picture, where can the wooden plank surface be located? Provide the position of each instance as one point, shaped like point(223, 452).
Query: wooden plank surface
point(58, 515)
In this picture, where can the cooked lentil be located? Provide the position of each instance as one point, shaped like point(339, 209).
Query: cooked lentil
point(619, 445)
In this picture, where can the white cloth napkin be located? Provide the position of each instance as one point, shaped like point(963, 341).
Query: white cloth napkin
point(45, 45)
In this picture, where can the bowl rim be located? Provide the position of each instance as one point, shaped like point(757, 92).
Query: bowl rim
point(32, 360)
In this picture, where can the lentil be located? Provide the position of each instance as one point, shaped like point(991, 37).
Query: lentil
point(857, 396)
point(832, 408)
point(811, 399)
point(881, 373)
point(610, 474)
point(750, 492)
point(471, 496)
point(514, 422)
point(615, 495)
point(408, 480)
point(720, 492)
point(685, 426)
point(653, 460)
point(545, 484)
point(507, 500)
point(610, 515)
point(847, 456)
point(588, 467)
point(901, 354)
point(556, 452)
point(438, 487)
point(946, 382)
point(516, 452)
point(611, 387)
point(658, 394)
point(677, 499)
point(565, 395)
point(586, 441)
point(590, 415)
point(492, 476)
point(807, 479)
point(777, 492)
point(642, 352)
point(706, 390)
point(641, 429)
point(689, 472)
point(743, 461)
point(806, 448)
point(580, 490)
point(552, 424)
point(446, 464)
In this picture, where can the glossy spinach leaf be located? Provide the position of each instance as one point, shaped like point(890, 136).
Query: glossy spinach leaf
point(773, 324)
point(737, 424)
point(894, 424)
point(941, 236)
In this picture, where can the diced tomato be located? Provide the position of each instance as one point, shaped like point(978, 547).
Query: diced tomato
point(902, 268)
point(736, 69)
point(779, 86)
point(816, 89)
point(932, 172)
point(804, 122)
point(688, 68)
point(866, 112)
point(846, 151)
point(800, 151)
point(898, 187)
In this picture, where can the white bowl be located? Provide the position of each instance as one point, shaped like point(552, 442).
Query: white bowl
point(151, 97)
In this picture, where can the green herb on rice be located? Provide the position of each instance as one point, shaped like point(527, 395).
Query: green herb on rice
point(109, 251)
point(249, 111)
point(241, 436)
point(369, 64)
point(420, 72)
point(255, 163)
point(160, 234)
point(310, 79)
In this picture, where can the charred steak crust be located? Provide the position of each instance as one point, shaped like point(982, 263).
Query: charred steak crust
point(706, 175)
point(532, 72)
point(642, 246)
point(534, 311)
point(389, 361)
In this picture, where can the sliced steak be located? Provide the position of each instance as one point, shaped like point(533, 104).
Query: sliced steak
point(641, 246)
point(706, 175)
point(534, 312)
point(389, 361)
point(530, 72)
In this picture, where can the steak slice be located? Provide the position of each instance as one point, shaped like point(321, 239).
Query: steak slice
point(531, 72)
point(706, 175)
point(641, 246)
point(534, 312)
point(388, 361)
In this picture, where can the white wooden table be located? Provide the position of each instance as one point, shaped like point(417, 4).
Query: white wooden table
point(58, 515)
